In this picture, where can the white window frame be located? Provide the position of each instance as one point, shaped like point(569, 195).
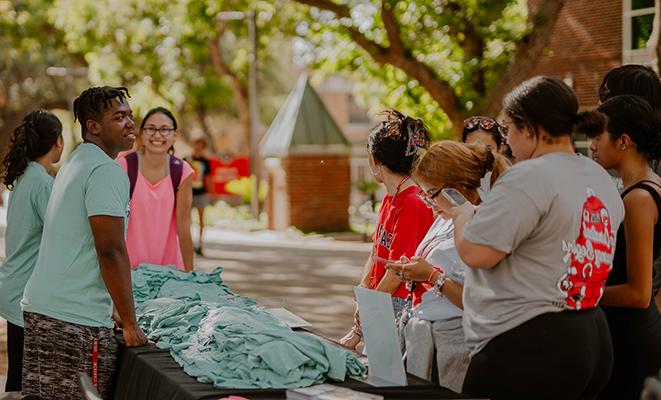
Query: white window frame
point(583, 145)
point(629, 55)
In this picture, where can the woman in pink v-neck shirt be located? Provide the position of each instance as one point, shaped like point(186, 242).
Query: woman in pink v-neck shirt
point(159, 227)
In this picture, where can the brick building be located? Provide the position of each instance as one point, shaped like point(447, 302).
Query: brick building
point(337, 94)
point(592, 37)
point(308, 164)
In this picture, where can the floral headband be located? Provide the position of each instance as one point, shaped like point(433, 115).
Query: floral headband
point(415, 143)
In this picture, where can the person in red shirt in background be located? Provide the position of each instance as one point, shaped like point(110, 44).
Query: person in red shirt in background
point(393, 146)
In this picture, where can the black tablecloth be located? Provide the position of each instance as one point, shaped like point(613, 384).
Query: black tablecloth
point(151, 373)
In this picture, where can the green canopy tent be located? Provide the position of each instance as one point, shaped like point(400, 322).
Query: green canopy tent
point(308, 163)
point(303, 125)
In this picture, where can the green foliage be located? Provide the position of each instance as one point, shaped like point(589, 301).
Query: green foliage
point(438, 33)
point(30, 44)
point(368, 187)
point(244, 186)
point(159, 49)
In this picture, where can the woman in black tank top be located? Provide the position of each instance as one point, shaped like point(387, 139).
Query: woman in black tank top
point(625, 136)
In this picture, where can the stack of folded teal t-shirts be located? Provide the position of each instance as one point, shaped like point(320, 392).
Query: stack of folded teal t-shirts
point(225, 339)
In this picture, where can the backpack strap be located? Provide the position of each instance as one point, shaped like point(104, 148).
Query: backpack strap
point(132, 170)
point(176, 171)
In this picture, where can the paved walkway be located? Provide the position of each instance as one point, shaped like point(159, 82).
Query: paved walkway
point(313, 283)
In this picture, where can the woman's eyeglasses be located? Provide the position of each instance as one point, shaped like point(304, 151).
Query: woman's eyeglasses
point(164, 131)
point(428, 199)
point(488, 124)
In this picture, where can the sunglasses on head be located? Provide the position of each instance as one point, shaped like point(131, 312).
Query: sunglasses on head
point(486, 123)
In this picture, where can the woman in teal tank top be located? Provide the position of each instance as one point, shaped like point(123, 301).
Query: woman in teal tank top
point(36, 145)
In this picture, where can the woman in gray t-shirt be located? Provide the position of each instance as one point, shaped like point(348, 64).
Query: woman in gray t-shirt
point(539, 250)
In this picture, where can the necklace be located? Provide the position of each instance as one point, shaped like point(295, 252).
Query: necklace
point(399, 185)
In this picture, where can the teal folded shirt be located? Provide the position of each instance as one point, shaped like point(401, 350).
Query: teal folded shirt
point(225, 339)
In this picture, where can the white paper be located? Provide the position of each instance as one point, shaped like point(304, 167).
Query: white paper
point(289, 318)
point(377, 319)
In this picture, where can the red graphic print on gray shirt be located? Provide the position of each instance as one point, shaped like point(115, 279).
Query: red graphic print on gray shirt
point(590, 256)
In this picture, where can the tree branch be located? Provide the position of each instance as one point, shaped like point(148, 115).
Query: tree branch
point(201, 115)
point(392, 28)
point(342, 11)
point(378, 52)
point(527, 54)
point(222, 68)
point(472, 44)
point(403, 59)
point(238, 88)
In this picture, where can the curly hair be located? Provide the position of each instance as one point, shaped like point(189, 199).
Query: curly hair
point(33, 138)
point(93, 101)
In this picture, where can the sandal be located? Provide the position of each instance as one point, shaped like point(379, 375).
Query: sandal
point(352, 339)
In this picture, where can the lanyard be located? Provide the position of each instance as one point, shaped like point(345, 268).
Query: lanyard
point(399, 185)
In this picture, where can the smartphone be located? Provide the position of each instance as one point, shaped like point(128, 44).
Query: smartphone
point(453, 196)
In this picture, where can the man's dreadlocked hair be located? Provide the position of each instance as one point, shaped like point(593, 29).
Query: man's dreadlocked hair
point(93, 101)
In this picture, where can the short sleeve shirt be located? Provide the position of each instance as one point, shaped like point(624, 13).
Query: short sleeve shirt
point(152, 230)
point(66, 283)
point(402, 224)
point(439, 250)
point(25, 222)
point(202, 169)
point(556, 218)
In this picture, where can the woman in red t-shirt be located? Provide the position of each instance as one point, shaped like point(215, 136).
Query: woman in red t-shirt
point(393, 147)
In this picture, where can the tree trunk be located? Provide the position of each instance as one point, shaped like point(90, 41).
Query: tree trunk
point(238, 89)
point(9, 123)
point(520, 67)
point(201, 115)
point(439, 90)
point(528, 51)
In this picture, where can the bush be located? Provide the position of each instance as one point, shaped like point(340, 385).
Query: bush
point(243, 187)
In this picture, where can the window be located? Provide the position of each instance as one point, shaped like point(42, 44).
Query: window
point(638, 22)
point(582, 144)
point(357, 114)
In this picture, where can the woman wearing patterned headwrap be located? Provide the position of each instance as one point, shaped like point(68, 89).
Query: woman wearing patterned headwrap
point(393, 147)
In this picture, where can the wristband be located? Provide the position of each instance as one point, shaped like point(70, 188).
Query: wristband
point(431, 280)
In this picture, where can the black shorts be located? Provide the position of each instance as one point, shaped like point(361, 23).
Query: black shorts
point(566, 355)
point(56, 351)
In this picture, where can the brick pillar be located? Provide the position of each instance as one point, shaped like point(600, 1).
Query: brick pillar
point(318, 188)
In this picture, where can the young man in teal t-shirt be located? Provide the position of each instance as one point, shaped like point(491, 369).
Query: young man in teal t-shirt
point(83, 266)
